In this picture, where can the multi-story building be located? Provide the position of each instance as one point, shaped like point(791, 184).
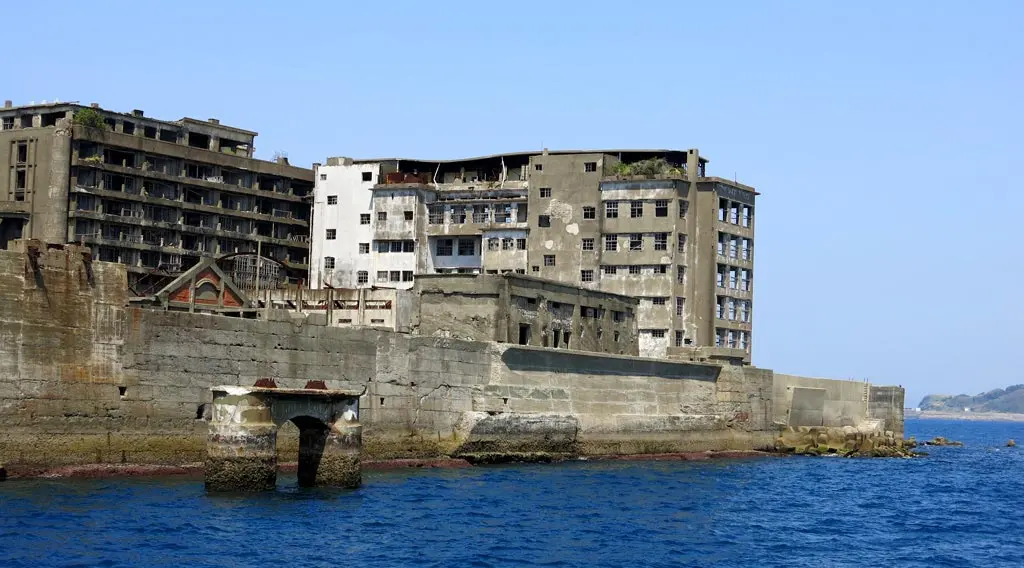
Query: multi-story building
point(152, 194)
point(645, 223)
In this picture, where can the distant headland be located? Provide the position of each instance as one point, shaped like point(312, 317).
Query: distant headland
point(997, 404)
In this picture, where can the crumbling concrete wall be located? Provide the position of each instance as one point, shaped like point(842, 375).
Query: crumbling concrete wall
point(84, 379)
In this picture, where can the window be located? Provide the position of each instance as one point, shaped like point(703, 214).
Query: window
point(323, 177)
point(408, 246)
point(382, 276)
point(493, 243)
point(683, 206)
point(636, 241)
point(679, 338)
point(382, 215)
point(467, 247)
point(588, 244)
point(538, 167)
point(508, 243)
point(545, 192)
point(661, 208)
point(549, 260)
point(745, 249)
point(618, 316)
point(722, 239)
point(657, 333)
point(444, 247)
point(609, 270)
point(611, 209)
point(748, 215)
point(590, 166)
point(396, 275)
point(364, 248)
point(681, 243)
point(586, 275)
point(661, 241)
point(383, 246)
point(680, 305)
point(659, 300)
point(436, 215)
point(734, 245)
point(589, 212)
point(22, 152)
point(332, 234)
point(328, 263)
point(660, 269)
point(520, 271)
point(364, 218)
point(408, 215)
point(634, 269)
point(681, 274)
point(544, 221)
point(367, 176)
point(520, 244)
point(611, 243)
point(332, 199)
point(535, 268)
point(636, 209)
point(362, 277)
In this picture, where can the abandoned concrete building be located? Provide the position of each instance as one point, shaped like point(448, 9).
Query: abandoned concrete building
point(154, 195)
point(644, 223)
point(511, 308)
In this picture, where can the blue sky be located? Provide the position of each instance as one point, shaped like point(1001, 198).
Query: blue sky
point(882, 135)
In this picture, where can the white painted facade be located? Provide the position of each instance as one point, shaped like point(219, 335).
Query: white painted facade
point(341, 197)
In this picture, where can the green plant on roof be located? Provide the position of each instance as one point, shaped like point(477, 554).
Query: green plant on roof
point(91, 118)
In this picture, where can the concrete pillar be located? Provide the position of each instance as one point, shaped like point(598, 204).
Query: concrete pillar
point(50, 209)
point(330, 457)
point(241, 449)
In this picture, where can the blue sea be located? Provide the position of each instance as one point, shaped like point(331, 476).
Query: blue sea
point(955, 507)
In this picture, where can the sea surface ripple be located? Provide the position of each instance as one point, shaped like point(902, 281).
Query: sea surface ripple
point(955, 507)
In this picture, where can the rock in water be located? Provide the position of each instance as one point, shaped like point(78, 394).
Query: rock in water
point(1011, 444)
point(941, 441)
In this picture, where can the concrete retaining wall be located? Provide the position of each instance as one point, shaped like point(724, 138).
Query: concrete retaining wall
point(85, 379)
point(807, 401)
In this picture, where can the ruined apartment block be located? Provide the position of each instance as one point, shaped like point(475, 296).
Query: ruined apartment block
point(154, 195)
point(644, 223)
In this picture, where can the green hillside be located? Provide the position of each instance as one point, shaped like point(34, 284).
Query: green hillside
point(1010, 399)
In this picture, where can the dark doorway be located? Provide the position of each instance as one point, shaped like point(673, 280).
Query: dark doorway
point(524, 334)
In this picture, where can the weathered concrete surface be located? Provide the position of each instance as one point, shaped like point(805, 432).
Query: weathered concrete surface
point(83, 379)
point(807, 401)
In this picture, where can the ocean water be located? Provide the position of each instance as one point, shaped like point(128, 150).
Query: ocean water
point(955, 507)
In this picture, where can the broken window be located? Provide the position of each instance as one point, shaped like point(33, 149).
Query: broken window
point(723, 208)
point(408, 215)
point(733, 277)
point(364, 248)
point(396, 275)
point(382, 215)
point(588, 244)
point(332, 199)
point(587, 275)
point(748, 215)
point(382, 276)
point(544, 221)
point(362, 277)
point(493, 243)
point(328, 263)
point(636, 242)
point(21, 179)
point(679, 338)
point(520, 244)
point(22, 152)
point(683, 206)
point(197, 140)
point(590, 166)
point(367, 176)
point(549, 260)
point(26, 121)
point(149, 131)
point(538, 167)
point(407, 276)
point(524, 334)
point(745, 249)
point(680, 305)
point(734, 247)
point(396, 246)
point(636, 209)
point(611, 243)
point(734, 213)
point(364, 218)
point(722, 240)
point(332, 234)
point(467, 247)
point(661, 241)
point(589, 212)
point(435, 214)
point(660, 269)
point(535, 268)
point(681, 243)
point(680, 274)
point(168, 135)
point(611, 209)
point(745, 279)
point(8, 123)
point(661, 208)
point(508, 243)
point(545, 192)
point(323, 177)
point(634, 269)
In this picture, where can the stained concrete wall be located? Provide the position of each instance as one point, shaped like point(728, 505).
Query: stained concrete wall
point(807, 401)
point(84, 379)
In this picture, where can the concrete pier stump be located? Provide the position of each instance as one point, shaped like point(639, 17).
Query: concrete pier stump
point(241, 450)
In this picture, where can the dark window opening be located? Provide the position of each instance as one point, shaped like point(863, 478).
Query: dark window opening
point(408, 215)
point(565, 338)
point(544, 221)
point(367, 176)
point(590, 166)
point(524, 334)
point(22, 153)
point(168, 135)
point(51, 118)
point(149, 131)
point(128, 127)
point(555, 338)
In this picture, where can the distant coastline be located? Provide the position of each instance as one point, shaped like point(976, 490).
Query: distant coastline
point(978, 416)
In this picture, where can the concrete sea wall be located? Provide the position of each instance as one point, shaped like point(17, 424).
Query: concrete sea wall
point(84, 378)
